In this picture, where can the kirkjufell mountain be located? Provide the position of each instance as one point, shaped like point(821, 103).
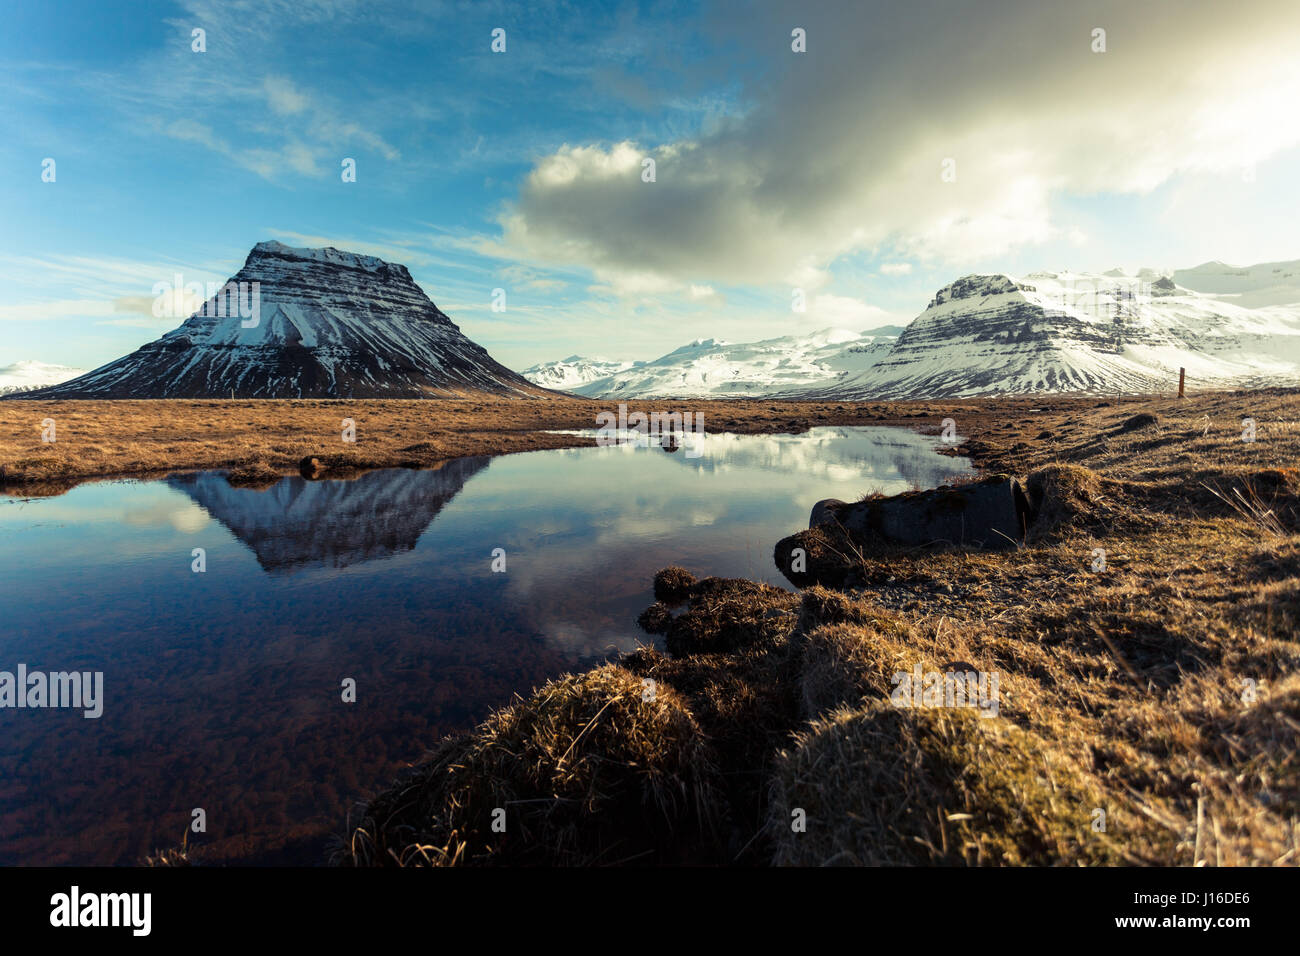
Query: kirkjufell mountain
point(329, 324)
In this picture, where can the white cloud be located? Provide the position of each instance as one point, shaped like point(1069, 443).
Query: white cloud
point(841, 311)
point(840, 149)
point(54, 309)
point(282, 96)
point(895, 268)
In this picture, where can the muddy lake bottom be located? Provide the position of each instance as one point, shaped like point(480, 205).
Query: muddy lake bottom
point(223, 690)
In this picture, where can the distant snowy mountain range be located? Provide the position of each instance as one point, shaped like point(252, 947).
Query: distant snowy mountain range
point(712, 367)
point(29, 374)
point(569, 373)
point(990, 334)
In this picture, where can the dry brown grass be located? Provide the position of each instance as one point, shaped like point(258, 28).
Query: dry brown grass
point(1167, 681)
point(880, 785)
point(590, 770)
point(1163, 689)
point(113, 438)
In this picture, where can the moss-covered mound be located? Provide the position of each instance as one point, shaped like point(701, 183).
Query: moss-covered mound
point(596, 769)
point(880, 785)
point(726, 614)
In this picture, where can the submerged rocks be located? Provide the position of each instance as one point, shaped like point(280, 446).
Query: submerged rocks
point(656, 619)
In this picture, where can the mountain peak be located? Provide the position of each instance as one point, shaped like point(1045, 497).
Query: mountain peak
point(974, 286)
point(273, 249)
point(307, 323)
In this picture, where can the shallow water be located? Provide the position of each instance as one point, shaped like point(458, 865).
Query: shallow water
point(222, 689)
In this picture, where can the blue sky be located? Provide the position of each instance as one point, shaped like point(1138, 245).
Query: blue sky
point(521, 170)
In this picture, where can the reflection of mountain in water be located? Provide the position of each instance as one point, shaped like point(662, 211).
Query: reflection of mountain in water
point(298, 524)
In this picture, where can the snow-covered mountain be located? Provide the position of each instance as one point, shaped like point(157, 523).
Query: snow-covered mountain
point(29, 374)
point(711, 368)
point(567, 374)
point(998, 334)
point(1270, 283)
point(1056, 332)
point(320, 324)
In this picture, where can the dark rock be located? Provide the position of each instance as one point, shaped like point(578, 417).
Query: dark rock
point(826, 511)
point(991, 514)
point(820, 555)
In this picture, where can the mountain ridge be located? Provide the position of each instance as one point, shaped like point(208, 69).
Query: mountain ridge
point(986, 334)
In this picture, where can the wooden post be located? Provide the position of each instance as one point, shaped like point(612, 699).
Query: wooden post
point(1182, 381)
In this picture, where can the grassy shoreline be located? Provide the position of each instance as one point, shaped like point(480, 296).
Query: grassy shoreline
point(1149, 712)
point(260, 440)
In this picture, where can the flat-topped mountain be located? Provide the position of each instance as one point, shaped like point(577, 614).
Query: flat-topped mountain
point(307, 323)
point(1066, 332)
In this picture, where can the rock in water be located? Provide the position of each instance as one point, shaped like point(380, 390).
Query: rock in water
point(991, 513)
point(826, 511)
point(329, 324)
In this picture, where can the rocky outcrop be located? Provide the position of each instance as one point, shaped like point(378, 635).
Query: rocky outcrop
point(991, 514)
